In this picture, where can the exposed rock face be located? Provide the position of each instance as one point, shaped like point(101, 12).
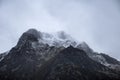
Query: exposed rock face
point(74, 64)
point(43, 56)
point(2, 55)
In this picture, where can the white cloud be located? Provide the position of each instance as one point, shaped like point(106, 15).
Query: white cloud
point(93, 21)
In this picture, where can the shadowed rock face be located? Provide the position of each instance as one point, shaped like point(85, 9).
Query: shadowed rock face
point(30, 36)
point(110, 59)
point(24, 60)
point(74, 64)
point(31, 59)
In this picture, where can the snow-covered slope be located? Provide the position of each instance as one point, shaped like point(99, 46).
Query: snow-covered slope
point(47, 54)
point(61, 39)
point(57, 39)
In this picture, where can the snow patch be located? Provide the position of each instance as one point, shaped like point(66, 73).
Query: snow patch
point(61, 39)
point(57, 39)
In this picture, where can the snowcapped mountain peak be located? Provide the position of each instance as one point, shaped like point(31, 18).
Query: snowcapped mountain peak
point(57, 39)
point(37, 52)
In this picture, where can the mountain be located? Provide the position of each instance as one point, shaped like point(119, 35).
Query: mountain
point(2, 55)
point(55, 56)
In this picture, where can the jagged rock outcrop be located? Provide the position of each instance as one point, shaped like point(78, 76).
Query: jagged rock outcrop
point(44, 56)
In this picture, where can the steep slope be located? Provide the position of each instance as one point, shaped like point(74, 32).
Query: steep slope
point(44, 56)
point(104, 59)
point(24, 59)
point(111, 62)
point(2, 55)
point(74, 64)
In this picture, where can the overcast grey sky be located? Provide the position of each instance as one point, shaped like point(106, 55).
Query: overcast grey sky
point(95, 21)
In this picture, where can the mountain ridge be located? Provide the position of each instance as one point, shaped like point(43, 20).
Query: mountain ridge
point(37, 51)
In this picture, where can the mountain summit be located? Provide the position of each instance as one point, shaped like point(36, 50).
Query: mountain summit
point(56, 56)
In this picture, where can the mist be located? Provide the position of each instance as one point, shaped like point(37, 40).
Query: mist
point(96, 22)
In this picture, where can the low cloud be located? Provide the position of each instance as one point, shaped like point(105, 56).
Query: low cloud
point(93, 21)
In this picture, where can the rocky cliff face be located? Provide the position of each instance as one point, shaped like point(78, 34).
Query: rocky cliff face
point(44, 56)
